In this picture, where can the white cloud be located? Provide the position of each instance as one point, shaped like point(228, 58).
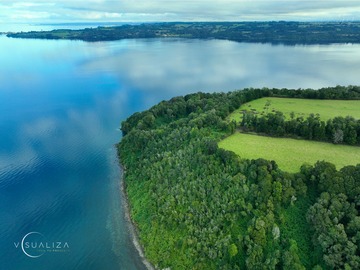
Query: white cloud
point(187, 10)
point(96, 16)
point(30, 4)
point(29, 15)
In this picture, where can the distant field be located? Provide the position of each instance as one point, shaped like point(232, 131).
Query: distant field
point(290, 154)
point(302, 107)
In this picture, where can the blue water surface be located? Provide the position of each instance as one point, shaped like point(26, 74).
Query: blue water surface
point(61, 105)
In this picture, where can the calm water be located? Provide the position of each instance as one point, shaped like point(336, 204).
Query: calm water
point(61, 103)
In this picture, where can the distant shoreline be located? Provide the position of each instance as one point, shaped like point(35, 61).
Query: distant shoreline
point(281, 32)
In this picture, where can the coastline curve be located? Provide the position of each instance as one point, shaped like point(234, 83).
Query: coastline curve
point(134, 234)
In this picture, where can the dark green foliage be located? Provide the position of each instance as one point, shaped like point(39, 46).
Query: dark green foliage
point(337, 130)
point(200, 207)
point(291, 260)
point(331, 218)
point(338, 92)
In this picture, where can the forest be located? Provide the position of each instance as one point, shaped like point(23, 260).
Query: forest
point(198, 206)
point(274, 32)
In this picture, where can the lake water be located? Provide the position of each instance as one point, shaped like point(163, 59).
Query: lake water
point(61, 104)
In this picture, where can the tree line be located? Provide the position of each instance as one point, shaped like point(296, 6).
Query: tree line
point(338, 130)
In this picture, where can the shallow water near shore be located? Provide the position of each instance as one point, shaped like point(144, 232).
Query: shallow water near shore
point(61, 105)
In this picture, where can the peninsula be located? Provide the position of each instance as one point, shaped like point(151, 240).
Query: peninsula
point(281, 32)
point(204, 196)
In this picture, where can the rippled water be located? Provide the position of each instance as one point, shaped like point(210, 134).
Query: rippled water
point(61, 103)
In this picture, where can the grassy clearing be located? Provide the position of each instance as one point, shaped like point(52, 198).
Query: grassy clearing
point(302, 107)
point(290, 154)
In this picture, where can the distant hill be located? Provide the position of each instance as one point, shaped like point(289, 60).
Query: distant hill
point(289, 33)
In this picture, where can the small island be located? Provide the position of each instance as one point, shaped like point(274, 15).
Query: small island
point(202, 197)
point(281, 32)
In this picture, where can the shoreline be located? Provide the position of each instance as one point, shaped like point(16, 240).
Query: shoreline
point(134, 233)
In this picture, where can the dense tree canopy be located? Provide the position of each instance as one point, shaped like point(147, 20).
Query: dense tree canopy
point(201, 207)
point(338, 130)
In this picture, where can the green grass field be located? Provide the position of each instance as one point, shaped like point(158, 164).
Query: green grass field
point(290, 154)
point(302, 107)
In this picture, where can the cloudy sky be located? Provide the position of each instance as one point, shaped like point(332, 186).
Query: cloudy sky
point(58, 11)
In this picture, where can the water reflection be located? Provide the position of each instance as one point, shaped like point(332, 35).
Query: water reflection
point(57, 162)
point(177, 66)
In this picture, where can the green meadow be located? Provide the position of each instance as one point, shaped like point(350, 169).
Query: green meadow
point(301, 107)
point(288, 153)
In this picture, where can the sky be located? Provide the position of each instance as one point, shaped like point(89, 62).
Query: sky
point(60, 11)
